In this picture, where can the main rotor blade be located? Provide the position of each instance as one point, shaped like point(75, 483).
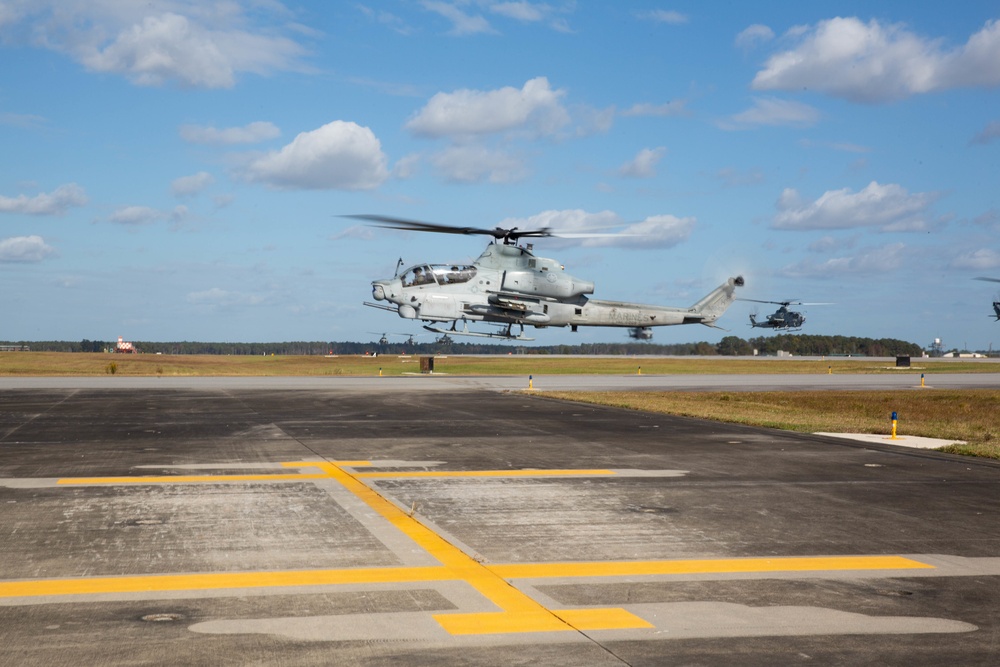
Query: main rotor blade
point(790, 303)
point(419, 226)
point(777, 303)
point(989, 280)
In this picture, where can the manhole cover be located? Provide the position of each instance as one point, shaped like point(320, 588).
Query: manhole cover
point(162, 618)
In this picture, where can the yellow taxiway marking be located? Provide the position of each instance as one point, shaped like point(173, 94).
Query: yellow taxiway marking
point(203, 479)
point(184, 479)
point(517, 611)
point(714, 566)
point(484, 473)
point(222, 580)
point(395, 575)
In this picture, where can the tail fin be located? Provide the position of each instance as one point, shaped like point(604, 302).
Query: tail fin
point(718, 300)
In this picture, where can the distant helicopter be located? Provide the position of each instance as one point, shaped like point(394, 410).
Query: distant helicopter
point(384, 340)
point(996, 304)
point(509, 285)
point(782, 319)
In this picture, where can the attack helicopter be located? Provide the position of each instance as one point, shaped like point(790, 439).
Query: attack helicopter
point(509, 285)
point(782, 319)
point(996, 304)
point(384, 340)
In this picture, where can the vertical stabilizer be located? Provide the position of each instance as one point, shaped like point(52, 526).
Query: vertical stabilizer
point(718, 300)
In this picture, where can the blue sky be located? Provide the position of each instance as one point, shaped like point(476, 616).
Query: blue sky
point(176, 170)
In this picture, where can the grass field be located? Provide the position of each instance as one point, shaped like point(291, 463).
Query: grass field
point(970, 415)
point(90, 364)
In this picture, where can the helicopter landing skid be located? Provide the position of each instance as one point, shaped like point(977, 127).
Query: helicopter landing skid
point(506, 334)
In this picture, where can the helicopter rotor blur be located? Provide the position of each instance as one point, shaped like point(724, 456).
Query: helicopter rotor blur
point(508, 285)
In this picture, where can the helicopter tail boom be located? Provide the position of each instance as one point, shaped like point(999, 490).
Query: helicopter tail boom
point(718, 301)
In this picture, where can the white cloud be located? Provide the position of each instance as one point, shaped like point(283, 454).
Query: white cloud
point(535, 108)
point(872, 63)
point(461, 22)
point(593, 121)
point(571, 221)
point(873, 261)
point(658, 231)
point(55, 203)
point(24, 249)
point(248, 134)
point(990, 219)
point(338, 156)
point(474, 164)
point(772, 111)
point(388, 19)
point(888, 207)
point(980, 259)
point(673, 108)
point(754, 35)
point(643, 165)
point(988, 134)
point(605, 229)
point(23, 120)
point(406, 166)
point(144, 215)
point(663, 16)
point(192, 44)
point(520, 11)
point(187, 186)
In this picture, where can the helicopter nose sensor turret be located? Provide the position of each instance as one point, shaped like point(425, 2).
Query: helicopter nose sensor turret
point(378, 291)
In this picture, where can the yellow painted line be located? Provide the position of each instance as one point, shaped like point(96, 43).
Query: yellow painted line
point(721, 566)
point(222, 580)
point(517, 611)
point(602, 619)
point(461, 566)
point(554, 621)
point(490, 623)
point(393, 575)
point(185, 479)
point(201, 479)
point(484, 473)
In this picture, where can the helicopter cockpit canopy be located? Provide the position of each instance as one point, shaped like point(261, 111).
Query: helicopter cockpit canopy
point(441, 274)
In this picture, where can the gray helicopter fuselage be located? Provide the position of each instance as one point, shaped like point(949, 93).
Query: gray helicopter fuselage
point(509, 284)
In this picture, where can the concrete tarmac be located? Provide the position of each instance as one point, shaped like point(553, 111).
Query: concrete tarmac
point(266, 521)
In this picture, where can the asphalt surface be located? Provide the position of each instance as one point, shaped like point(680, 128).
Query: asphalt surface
point(233, 523)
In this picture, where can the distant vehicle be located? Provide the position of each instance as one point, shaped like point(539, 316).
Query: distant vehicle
point(781, 319)
point(509, 285)
point(996, 304)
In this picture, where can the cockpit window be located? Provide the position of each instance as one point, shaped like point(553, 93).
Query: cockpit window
point(451, 274)
point(418, 275)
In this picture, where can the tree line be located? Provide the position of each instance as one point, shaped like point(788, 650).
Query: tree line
point(795, 344)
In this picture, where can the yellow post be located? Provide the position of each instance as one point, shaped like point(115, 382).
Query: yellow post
point(639, 371)
point(380, 371)
point(894, 427)
point(921, 379)
point(829, 370)
point(530, 383)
